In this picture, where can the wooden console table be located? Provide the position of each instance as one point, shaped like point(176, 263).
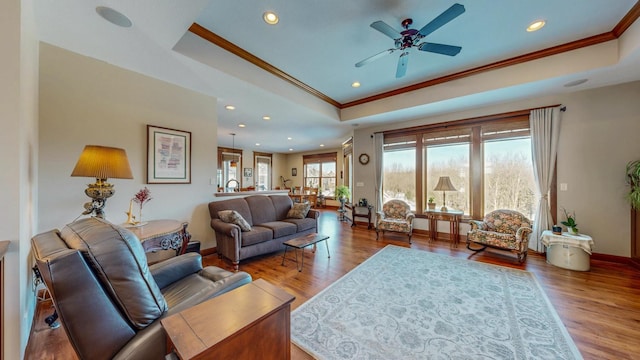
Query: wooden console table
point(250, 322)
point(452, 216)
point(158, 235)
point(360, 211)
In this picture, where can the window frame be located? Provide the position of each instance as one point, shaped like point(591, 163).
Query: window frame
point(319, 159)
point(257, 155)
point(509, 122)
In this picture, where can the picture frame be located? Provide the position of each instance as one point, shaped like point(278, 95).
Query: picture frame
point(248, 172)
point(168, 156)
point(294, 171)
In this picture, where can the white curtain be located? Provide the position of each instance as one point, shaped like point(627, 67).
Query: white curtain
point(545, 131)
point(378, 143)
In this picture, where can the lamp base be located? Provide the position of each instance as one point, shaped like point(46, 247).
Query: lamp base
point(444, 208)
point(99, 191)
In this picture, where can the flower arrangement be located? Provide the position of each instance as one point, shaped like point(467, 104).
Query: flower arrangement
point(141, 197)
point(570, 221)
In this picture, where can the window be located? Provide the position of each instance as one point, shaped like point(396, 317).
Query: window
point(229, 177)
point(508, 176)
point(487, 159)
point(262, 171)
point(320, 172)
point(399, 173)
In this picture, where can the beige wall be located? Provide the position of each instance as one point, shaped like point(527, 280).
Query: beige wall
point(599, 135)
point(18, 133)
point(85, 101)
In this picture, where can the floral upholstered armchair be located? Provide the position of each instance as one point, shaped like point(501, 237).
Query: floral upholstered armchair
point(395, 216)
point(501, 229)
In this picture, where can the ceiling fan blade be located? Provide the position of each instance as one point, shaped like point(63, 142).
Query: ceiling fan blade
point(451, 13)
point(440, 48)
point(386, 29)
point(374, 57)
point(402, 64)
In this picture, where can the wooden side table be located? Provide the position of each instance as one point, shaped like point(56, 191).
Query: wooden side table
point(452, 216)
point(250, 322)
point(360, 211)
point(162, 235)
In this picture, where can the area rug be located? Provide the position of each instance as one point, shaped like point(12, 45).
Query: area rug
point(411, 304)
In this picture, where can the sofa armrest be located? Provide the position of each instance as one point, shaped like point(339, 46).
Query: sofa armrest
point(225, 280)
point(231, 230)
point(477, 225)
point(410, 216)
point(313, 214)
point(173, 269)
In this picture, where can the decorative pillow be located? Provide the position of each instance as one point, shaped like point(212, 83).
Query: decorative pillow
point(299, 211)
point(234, 217)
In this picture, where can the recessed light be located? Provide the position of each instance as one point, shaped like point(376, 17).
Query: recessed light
point(321, 145)
point(257, 144)
point(289, 138)
point(290, 149)
point(355, 84)
point(266, 117)
point(576, 82)
point(230, 107)
point(270, 18)
point(536, 25)
point(113, 16)
point(242, 125)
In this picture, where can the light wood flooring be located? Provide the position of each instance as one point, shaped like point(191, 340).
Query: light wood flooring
point(600, 308)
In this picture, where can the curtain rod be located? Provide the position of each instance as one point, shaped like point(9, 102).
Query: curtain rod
point(511, 113)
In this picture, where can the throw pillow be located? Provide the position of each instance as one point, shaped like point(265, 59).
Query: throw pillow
point(299, 211)
point(234, 217)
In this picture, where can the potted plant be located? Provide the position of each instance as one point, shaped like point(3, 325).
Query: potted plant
point(570, 222)
point(633, 179)
point(342, 194)
point(431, 203)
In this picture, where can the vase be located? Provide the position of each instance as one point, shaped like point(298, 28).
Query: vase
point(572, 231)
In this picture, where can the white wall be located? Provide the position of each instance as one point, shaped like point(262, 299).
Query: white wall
point(18, 133)
point(86, 101)
point(599, 135)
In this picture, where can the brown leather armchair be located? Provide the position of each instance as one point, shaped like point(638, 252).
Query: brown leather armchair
point(107, 297)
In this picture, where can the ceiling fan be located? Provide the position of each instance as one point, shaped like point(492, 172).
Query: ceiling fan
point(410, 38)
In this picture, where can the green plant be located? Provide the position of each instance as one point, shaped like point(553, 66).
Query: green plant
point(431, 199)
point(633, 179)
point(570, 221)
point(342, 191)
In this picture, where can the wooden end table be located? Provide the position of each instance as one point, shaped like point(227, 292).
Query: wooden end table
point(453, 216)
point(250, 322)
point(302, 242)
point(360, 211)
point(162, 235)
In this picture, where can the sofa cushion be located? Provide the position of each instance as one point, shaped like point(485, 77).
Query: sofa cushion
point(282, 204)
point(234, 217)
point(281, 228)
point(239, 205)
point(261, 208)
point(257, 235)
point(303, 224)
point(117, 257)
point(299, 211)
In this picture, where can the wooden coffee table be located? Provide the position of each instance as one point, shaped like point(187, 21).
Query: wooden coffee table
point(301, 243)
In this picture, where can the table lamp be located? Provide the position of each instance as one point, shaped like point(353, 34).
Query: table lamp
point(101, 163)
point(444, 184)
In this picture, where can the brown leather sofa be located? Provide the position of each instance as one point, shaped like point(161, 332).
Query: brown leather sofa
point(270, 226)
point(107, 297)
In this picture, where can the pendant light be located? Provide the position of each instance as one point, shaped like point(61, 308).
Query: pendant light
point(233, 163)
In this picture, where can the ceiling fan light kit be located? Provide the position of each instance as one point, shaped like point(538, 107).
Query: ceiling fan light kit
point(410, 38)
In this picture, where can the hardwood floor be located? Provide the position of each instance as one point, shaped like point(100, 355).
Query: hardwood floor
point(600, 308)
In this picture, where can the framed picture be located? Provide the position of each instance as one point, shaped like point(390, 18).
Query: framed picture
point(294, 172)
point(248, 172)
point(168, 156)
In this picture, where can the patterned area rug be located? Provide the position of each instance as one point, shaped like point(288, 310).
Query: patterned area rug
point(411, 304)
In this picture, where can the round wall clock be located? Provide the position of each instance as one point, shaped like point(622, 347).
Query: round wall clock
point(364, 159)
